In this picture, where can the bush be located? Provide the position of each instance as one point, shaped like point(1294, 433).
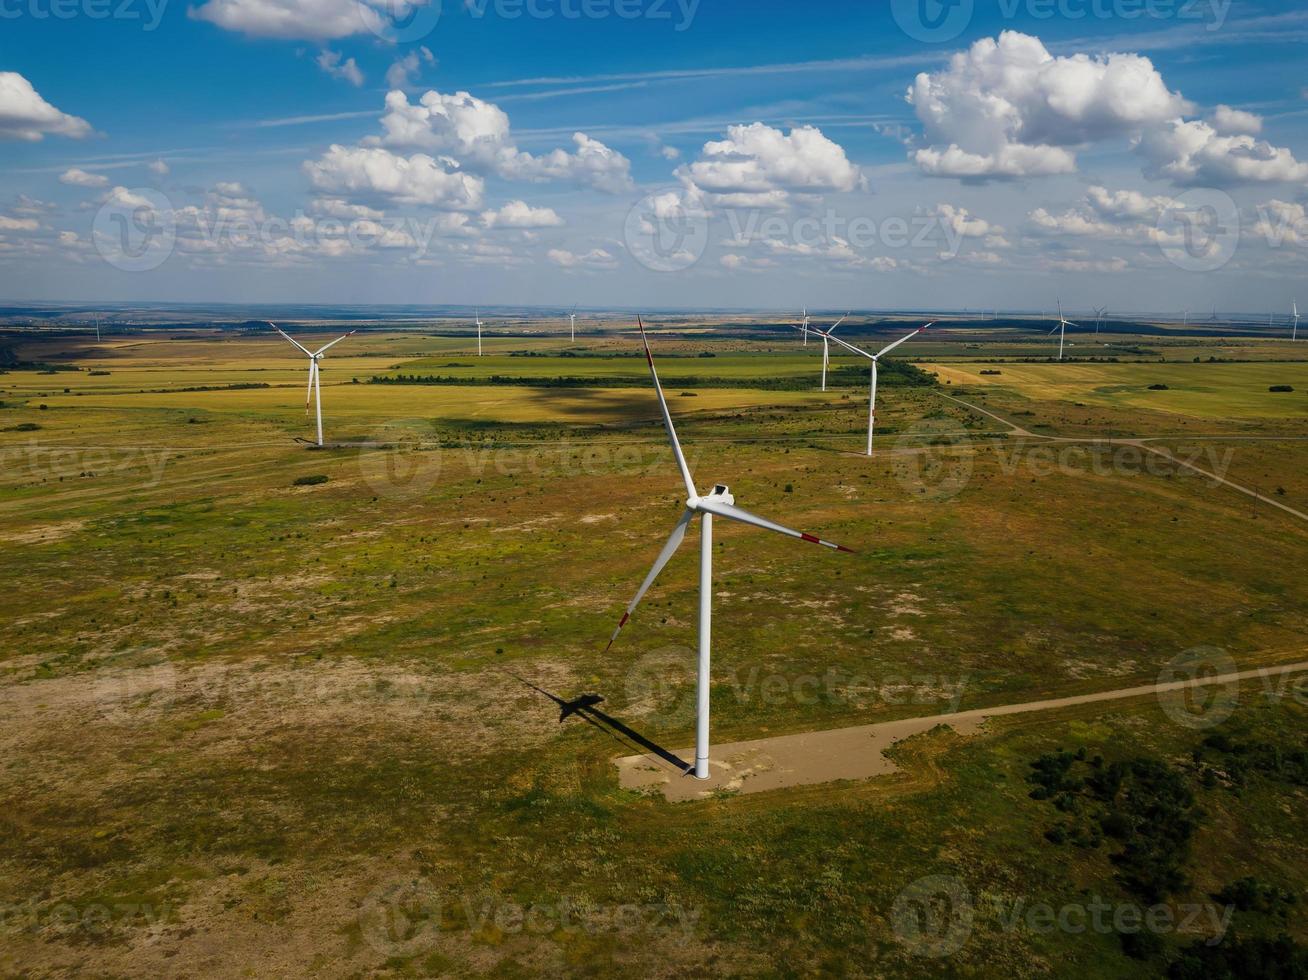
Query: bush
point(310, 481)
point(1158, 388)
point(1281, 388)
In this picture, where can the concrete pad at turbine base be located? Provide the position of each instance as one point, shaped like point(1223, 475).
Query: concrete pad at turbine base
point(786, 760)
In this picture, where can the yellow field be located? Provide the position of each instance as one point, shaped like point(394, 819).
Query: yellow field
point(1212, 391)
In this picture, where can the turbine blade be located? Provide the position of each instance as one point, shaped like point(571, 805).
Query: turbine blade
point(289, 337)
point(832, 328)
point(669, 549)
point(321, 350)
point(735, 513)
point(848, 346)
point(667, 417)
point(901, 340)
point(308, 392)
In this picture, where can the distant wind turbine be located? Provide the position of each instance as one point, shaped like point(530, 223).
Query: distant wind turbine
point(314, 391)
point(476, 315)
point(1295, 313)
point(1185, 318)
point(718, 502)
point(804, 328)
point(1099, 318)
point(97, 328)
point(826, 347)
point(1063, 324)
point(572, 322)
point(875, 359)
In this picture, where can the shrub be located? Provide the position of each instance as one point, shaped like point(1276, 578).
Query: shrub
point(1279, 388)
point(310, 481)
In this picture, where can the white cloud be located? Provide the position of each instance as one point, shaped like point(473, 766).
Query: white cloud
point(159, 168)
point(312, 20)
point(31, 206)
point(1194, 153)
point(1007, 108)
point(476, 133)
point(24, 115)
point(347, 70)
point(963, 223)
point(1280, 222)
point(334, 207)
point(596, 258)
point(77, 177)
point(1231, 122)
point(759, 166)
point(519, 214)
point(403, 71)
point(669, 152)
point(18, 224)
point(377, 172)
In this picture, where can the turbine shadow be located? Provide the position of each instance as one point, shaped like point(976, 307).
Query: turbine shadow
point(584, 708)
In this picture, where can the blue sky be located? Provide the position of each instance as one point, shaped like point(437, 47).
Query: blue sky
point(734, 154)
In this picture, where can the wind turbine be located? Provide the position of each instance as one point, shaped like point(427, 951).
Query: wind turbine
point(718, 502)
point(1099, 318)
point(1295, 313)
point(97, 328)
point(1185, 318)
point(572, 322)
point(314, 390)
point(1063, 324)
point(476, 315)
point(875, 359)
point(804, 328)
point(826, 347)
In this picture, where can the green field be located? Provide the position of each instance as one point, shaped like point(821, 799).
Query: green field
point(285, 725)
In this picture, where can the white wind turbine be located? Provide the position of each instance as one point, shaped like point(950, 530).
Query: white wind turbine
point(1295, 313)
point(718, 502)
point(804, 328)
point(314, 392)
point(826, 347)
point(875, 359)
point(1100, 313)
point(572, 322)
point(476, 315)
point(1063, 324)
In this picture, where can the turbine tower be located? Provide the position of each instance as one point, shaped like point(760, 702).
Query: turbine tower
point(572, 322)
point(805, 326)
point(1294, 304)
point(826, 347)
point(476, 315)
point(314, 391)
point(875, 359)
point(718, 502)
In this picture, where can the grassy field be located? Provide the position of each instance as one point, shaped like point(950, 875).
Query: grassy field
point(261, 727)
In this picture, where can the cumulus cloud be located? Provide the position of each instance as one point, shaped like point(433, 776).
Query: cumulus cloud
point(1280, 222)
point(77, 177)
point(347, 70)
point(159, 168)
point(1195, 153)
point(1007, 108)
point(759, 166)
point(1231, 122)
point(311, 20)
point(379, 173)
point(965, 224)
point(596, 258)
point(24, 115)
point(403, 71)
point(18, 224)
point(477, 134)
point(1115, 216)
point(519, 214)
